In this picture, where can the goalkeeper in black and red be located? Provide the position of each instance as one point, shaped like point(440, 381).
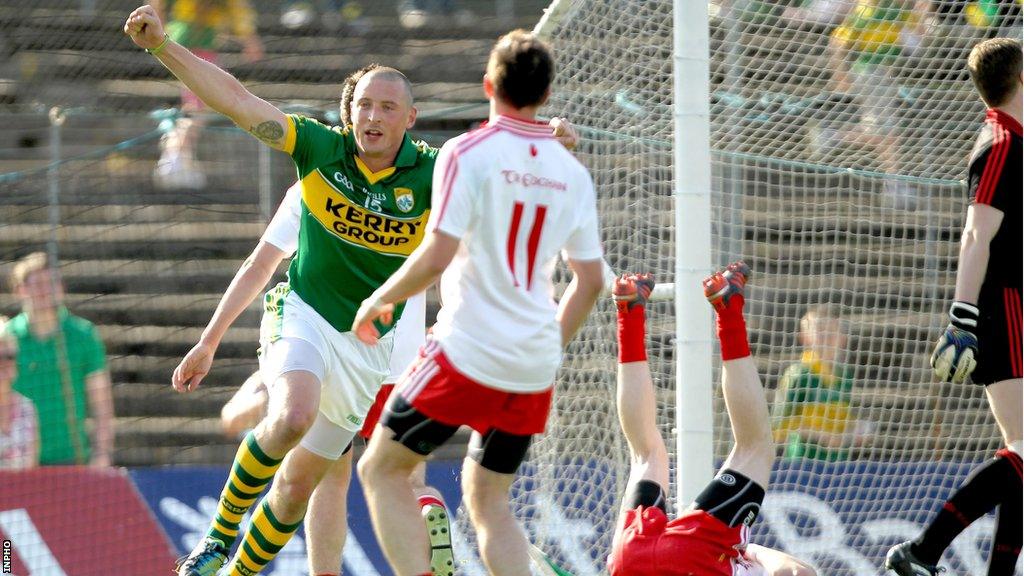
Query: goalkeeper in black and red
point(983, 339)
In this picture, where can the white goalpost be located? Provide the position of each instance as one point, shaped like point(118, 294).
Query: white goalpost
point(691, 161)
point(692, 216)
point(692, 210)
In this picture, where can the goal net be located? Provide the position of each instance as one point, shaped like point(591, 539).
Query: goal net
point(839, 133)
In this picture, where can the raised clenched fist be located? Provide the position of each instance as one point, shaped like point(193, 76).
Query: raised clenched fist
point(144, 27)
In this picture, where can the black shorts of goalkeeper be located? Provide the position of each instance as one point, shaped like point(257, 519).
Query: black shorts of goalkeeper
point(999, 335)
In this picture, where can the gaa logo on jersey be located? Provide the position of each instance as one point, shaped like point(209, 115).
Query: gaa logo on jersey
point(404, 199)
point(341, 178)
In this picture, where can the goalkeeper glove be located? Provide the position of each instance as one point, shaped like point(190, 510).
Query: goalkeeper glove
point(954, 357)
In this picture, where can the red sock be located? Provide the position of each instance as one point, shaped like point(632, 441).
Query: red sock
point(732, 329)
point(428, 500)
point(632, 335)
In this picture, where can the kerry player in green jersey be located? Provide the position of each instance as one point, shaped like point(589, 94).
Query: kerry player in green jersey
point(365, 195)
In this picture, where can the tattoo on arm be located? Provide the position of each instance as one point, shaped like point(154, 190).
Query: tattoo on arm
point(269, 132)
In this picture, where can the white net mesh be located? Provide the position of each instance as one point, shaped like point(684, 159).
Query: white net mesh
point(840, 131)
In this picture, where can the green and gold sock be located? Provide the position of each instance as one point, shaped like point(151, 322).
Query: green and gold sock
point(250, 474)
point(264, 539)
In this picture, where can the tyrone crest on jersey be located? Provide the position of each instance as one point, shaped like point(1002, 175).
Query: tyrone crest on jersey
point(404, 199)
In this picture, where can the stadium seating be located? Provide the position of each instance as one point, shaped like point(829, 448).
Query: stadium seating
point(148, 267)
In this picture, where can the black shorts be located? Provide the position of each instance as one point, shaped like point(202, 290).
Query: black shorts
point(999, 336)
point(497, 451)
point(731, 497)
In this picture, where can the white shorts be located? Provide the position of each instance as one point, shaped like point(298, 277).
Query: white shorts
point(326, 439)
point(349, 371)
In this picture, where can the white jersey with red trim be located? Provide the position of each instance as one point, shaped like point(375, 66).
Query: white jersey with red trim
point(515, 197)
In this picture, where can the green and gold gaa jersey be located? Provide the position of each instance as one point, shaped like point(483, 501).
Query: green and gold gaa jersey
point(813, 400)
point(357, 227)
point(872, 30)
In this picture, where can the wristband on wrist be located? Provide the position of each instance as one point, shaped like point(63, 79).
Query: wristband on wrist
point(160, 47)
point(963, 315)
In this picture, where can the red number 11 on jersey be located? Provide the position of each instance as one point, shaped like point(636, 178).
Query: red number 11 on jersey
point(531, 244)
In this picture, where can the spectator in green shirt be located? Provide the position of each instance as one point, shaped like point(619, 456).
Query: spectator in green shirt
point(812, 417)
point(62, 369)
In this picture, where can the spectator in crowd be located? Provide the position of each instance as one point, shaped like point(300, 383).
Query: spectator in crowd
point(820, 13)
point(62, 369)
point(872, 35)
point(19, 427)
point(812, 416)
point(201, 26)
point(817, 15)
point(421, 13)
point(331, 14)
point(995, 16)
point(994, 13)
point(862, 51)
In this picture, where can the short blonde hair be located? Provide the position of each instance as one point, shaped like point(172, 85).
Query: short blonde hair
point(814, 317)
point(34, 262)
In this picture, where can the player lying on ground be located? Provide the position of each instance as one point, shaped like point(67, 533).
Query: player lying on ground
point(710, 537)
